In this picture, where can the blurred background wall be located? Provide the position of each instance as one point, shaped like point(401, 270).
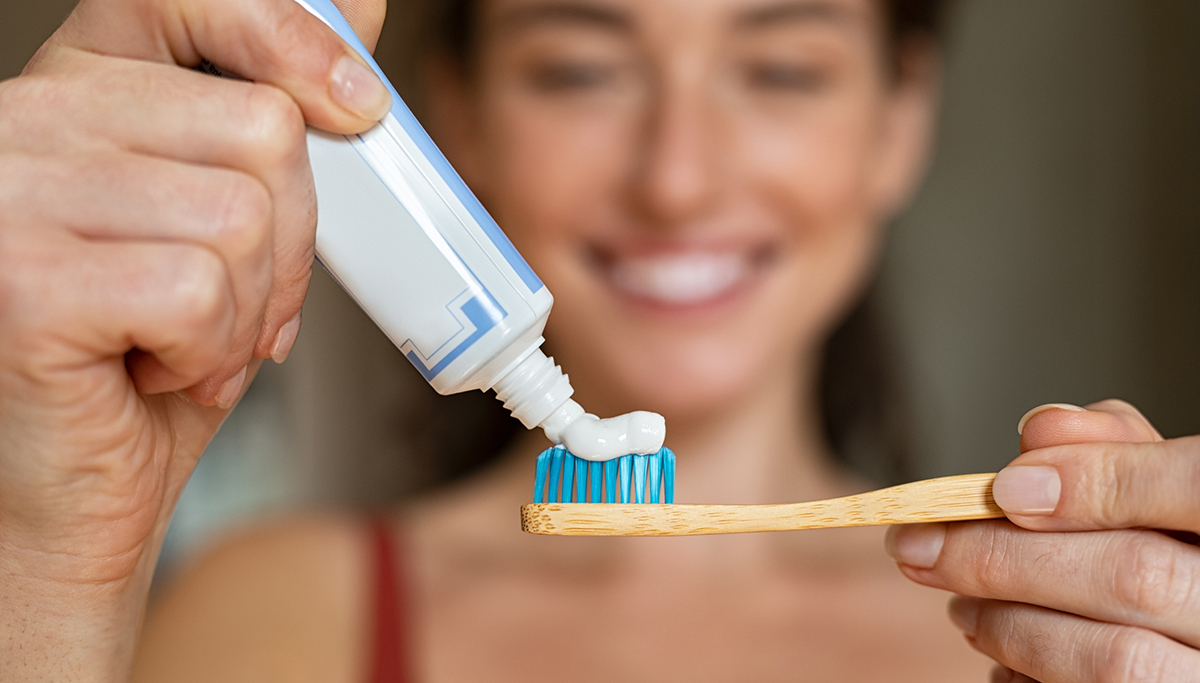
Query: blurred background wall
point(1052, 255)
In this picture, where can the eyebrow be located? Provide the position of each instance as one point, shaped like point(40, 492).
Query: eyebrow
point(804, 11)
point(576, 13)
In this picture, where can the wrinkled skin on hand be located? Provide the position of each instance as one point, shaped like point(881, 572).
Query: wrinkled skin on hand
point(156, 239)
point(1095, 576)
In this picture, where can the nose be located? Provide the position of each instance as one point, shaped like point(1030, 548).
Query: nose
point(677, 176)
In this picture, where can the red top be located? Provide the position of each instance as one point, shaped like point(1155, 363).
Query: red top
point(387, 658)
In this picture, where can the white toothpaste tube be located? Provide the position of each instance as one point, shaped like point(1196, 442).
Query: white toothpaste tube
point(404, 236)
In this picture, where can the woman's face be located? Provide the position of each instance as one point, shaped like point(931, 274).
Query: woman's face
point(701, 183)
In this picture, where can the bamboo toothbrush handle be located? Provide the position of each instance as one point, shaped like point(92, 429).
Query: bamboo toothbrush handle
point(947, 499)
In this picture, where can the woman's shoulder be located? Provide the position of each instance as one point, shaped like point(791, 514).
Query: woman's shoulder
point(281, 600)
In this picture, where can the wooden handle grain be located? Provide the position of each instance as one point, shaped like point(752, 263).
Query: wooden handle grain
point(947, 499)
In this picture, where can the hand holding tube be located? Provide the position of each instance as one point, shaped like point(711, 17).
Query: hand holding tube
point(156, 236)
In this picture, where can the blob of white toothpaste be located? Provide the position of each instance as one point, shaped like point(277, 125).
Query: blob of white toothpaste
point(592, 438)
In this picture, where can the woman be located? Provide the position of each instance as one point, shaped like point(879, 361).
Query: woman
point(702, 186)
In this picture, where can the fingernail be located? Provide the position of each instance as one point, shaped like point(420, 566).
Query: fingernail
point(1043, 408)
point(917, 545)
point(1027, 489)
point(354, 86)
point(964, 612)
point(285, 339)
point(231, 390)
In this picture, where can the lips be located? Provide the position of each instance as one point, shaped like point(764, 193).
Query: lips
point(683, 277)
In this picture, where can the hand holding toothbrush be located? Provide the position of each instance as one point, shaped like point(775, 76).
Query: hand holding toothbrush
point(1097, 575)
point(156, 236)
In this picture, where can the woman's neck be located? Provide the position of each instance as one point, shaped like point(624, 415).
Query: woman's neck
point(766, 448)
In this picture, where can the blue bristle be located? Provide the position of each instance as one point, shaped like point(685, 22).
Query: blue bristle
point(639, 478)
point(655, 475)
point(566, 478)
point(594, 469)
point(539, 486)
point(610, 481)
point(623, 466)
point(581, 466)
point(556, 459)
point(668, 475)
point(568, 491)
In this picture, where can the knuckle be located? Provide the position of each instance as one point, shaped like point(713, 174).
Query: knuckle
point(289, 28)
point(298, 269)
point(21, 279)
point(1014, 638)
point(1132, 656)
point(993, 566)
point(1042, 654)
point(245, 215)
point(11, 192)
point(290, 292)
point(1110, 486)
point(1186, 451)
point(27, 96)
point(1149, 576)
point(199, 282)
point(275, 127)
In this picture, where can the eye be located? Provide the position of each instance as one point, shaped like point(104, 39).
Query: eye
point(571, 76)
point(777, 76)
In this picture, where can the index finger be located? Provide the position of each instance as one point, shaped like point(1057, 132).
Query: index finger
point(277, 42)
point(1054, 424)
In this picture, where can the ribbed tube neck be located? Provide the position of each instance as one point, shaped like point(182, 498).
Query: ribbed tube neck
point(534, 389)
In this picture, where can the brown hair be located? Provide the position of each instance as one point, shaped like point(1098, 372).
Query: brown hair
point(861, 390)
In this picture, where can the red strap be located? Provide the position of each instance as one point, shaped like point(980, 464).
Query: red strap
point(387, 661)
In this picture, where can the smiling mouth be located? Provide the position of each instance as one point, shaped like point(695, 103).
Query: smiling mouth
point(684, 278)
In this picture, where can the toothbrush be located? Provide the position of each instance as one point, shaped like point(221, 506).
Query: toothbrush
point(947, 499)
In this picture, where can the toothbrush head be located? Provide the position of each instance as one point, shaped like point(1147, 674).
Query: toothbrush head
point(565, 478)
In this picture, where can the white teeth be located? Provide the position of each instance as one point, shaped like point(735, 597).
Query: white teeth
point(686, 278)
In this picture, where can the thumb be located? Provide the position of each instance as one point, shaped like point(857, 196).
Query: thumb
point(277, 42)
point(1054, 465)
